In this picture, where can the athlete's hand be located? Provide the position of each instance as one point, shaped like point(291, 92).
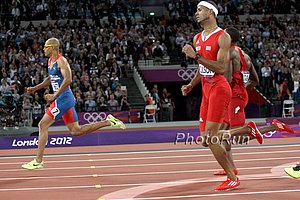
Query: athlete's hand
point(189, 51)
point(49, 97)
point(185, 89)
point(31, 90)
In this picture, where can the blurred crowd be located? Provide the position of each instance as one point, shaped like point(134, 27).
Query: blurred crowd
point(101, 53)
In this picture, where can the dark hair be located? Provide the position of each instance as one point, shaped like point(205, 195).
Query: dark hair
point(234, 34)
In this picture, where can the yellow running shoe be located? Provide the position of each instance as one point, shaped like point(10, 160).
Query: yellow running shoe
point(293, 171)
point(115, 122)
point(33, 165)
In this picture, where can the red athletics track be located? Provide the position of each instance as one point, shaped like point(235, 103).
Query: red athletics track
point(149, 171)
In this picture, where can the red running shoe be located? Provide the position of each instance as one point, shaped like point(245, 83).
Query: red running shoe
point(222, 172)
point(228, 185)
point(255, 132)
point(282, 126)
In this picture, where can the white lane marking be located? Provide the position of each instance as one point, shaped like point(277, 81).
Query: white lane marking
point(128, 174)
point(212, 195)
point(150, 164)
point(200, 180)
point(139, 190)
point(153, 151)
point(47, 188)
point(153, 157)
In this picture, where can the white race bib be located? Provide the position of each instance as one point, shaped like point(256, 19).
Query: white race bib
point(246, 76)
point(55, 111)
point(55, 86)
point(205, 72)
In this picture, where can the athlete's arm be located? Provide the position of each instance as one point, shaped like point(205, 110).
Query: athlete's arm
point(222, 62)
point(197, 78)
point(221, 65)
point(43, 84)
point(65, 70)
point(185, 89)
point(253, 79)
point(234, 62)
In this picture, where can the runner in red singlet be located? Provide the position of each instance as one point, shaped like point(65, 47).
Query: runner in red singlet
point(212, 54)
point(242, 75)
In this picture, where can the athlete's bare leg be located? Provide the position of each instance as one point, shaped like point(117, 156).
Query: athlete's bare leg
point(237, 132)
point(78, 130)
point(44, 125)
point(245, 130)
point(212, 129)
point(227, 145)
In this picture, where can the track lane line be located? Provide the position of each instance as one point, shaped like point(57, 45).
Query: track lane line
point(202, 180)
point(149, 164)
point(150, 151)
point(154, 157)
point(129, 174)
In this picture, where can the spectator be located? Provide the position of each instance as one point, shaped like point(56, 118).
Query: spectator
point(148, 101)
point(102, 104)
point(125, 106)
point(266, 79)
point(112, 104)
point(90, 104)
point(4, 87)
point(157, 53)
point(79, 102)
point(285, 93)
point(167, 105)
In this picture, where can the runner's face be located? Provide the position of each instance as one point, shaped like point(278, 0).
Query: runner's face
point(202, 14)
point(47, 50)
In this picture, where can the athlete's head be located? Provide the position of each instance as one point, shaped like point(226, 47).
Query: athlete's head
point(234, 34)
point(205, 10)
point(52, 44)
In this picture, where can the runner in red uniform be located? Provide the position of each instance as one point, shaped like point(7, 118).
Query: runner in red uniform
point(212, 54)
point(242, 74)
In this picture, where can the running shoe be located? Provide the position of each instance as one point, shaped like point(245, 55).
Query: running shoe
point(293, 171)
point(33, 165)
point(228, 185)
point(282, 126)
point(255, 132)
point(222, 172)
point(115, 122)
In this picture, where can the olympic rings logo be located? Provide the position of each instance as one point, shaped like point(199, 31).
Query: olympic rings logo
point(186, 74)
point(94, 117)
point(269, 134)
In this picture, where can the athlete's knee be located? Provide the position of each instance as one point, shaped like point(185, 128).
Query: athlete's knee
point(203, 139)
point(213, 138)
point(43, 125)
point(77, 131)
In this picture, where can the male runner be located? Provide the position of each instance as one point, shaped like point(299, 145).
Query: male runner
point(242, 74)
point(62, 102)
point(212, 54)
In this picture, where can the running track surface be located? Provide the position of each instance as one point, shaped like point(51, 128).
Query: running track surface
point(149, 171)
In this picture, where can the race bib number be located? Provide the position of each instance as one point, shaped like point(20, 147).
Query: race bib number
point(55, 111)
point(205, 72)
point(55, 86)
point(246, 76)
